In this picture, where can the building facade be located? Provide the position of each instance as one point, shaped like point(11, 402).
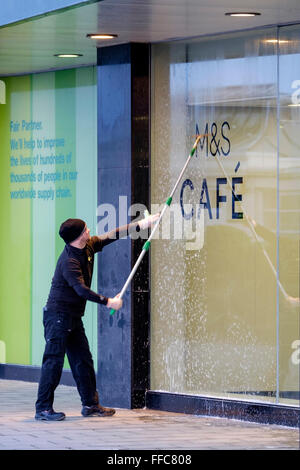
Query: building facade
point(210, 323)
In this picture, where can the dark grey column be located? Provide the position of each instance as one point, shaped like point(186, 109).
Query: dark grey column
point(123, 170)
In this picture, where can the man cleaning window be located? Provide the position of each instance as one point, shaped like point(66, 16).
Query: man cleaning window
point(62, 316)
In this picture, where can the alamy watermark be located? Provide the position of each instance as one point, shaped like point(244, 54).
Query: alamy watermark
point(173, 226)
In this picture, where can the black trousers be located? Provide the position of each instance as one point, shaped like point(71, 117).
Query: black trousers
point(65, 334)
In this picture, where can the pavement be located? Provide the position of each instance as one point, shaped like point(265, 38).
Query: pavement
point(139, 429)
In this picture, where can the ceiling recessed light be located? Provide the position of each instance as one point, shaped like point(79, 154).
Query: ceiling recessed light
point(242, 13)
point(276, 41)
point(67, 56)
point(100, 36)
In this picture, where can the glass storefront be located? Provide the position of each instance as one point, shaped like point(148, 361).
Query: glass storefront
point(225, 265)
point(288, 228)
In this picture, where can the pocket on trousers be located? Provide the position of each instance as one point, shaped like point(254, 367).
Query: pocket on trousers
point(57, 324)
point(55, 346)
point(57, 328)
point(64, 322)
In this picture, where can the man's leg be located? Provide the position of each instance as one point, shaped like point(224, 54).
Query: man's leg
point(53, 359)
point(82, 366)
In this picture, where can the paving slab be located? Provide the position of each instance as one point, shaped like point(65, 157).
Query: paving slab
point(127, 429)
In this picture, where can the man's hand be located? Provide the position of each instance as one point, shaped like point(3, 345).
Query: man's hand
point(115, 302)
point(148, 221)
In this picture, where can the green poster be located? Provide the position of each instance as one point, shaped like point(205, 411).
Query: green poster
point(48, 158)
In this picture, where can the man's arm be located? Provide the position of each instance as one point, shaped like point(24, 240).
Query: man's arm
point(73, 275)
point(101, 241)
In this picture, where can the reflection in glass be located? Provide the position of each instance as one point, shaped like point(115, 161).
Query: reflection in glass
point(215, 299)
point(289, 215)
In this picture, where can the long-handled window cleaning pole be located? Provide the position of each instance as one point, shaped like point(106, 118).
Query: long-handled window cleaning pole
point(148, 242)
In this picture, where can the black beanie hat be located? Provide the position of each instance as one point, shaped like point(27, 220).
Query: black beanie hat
point(71, 229)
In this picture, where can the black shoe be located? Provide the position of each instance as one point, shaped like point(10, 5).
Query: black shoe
point(97, 410)
point(49, 415)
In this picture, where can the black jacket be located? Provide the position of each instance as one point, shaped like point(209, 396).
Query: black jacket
point(70, 288)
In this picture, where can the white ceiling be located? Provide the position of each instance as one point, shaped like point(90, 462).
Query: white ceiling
point(30, 45)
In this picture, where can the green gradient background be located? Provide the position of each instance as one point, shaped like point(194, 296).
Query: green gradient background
point(66, 103)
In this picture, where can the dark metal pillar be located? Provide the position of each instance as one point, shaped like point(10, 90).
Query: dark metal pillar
point(123, 170)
